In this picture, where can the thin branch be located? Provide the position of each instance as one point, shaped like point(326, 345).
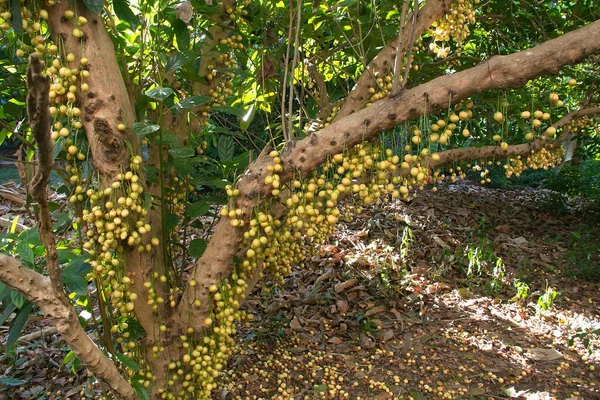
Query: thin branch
point(398, 60)
point(294, 64)
point(39, 120)
point(411, 43)
point(40, 290)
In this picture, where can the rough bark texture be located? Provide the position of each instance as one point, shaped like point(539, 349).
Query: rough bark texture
point(303, 156)
point(384, 60)
point(470, 153)
point(39, 290)
point(107, 103)
point(39, 120)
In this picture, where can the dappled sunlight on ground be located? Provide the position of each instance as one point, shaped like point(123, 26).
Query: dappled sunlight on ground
point(390, 311)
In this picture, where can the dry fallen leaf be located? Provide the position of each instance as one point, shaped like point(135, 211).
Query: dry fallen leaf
point(539, 354)
point(340, 287)
point(295, 324)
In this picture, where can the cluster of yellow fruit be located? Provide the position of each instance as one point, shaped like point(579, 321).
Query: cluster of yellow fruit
point(236, 13)
point(382, 88)
point(117, 217)
point(541, 159)
point(442, 130)
point(31, 24)
point(545, 158)
point(483, 171)
point(583, 123)
point(196, 370)
point(453, 25)
point(334, 110)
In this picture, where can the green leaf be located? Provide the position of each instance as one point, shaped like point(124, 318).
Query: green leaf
point(182, 34)
point(169, 139)
point(136, 331)
point(144, 128)
point(26, 254)
point(18, 299)
point(3, 287)
point(78, 266)
point(192, 101)
point(182, 152)
point(171, 221)
point(177, 61)
point(76, 284)
point(225, 147)
point(18, 324)
point(197, 247)
point(197, 209)
point(238, 112)
point(128, 362)
point(160, 93)
point(58, 146)
point(140, 390)
point(184, 166)
point(124, 13)
point(94, 5)
point(8, 381)
point(7, 311)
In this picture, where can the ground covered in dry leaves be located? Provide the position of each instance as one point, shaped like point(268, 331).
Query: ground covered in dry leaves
point(464, 293)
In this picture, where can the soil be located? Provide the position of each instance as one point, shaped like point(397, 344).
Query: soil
point(407, 300)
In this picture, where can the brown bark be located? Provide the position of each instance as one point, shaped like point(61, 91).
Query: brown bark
point(305, 155)
point(471, 153)
point(384, 60)
point(39, 290)
point(107, 103)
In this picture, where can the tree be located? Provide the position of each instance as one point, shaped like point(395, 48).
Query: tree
point(144, 110)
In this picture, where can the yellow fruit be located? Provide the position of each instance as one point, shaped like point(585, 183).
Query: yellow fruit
point(504, 146)
point(497, 138)
point(525, 114)
point(572, 82)
point(498, 117)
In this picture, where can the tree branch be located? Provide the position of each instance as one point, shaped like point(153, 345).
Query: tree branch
point(38, 86)
point(305, 155)
point(39, 290)
point(383, 61)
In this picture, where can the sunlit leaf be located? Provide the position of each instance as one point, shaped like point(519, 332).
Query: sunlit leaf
point(177, 61)
point(192, 101)
point(159, 93)
point(144, 128)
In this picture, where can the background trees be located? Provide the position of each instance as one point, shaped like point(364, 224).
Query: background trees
point(290, 108)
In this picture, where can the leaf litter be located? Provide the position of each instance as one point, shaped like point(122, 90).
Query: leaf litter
point(386, 310)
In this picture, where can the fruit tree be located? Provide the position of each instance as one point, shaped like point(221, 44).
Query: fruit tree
point(300, 112)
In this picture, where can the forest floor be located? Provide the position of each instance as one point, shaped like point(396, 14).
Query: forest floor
point(464, 293)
